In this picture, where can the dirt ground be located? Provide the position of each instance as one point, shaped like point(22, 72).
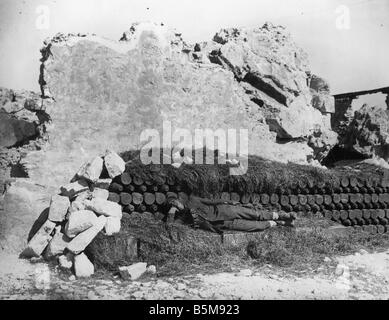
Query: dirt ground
point(360, 276)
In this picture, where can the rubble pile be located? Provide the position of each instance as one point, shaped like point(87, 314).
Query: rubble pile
point(78, 214)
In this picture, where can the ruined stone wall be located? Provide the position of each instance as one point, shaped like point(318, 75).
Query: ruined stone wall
point(102, 93)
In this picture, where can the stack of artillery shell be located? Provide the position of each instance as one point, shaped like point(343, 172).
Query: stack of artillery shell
point(138, 195)
point(351, 201)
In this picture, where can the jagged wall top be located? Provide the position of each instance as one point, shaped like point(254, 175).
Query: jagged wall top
point(271, 41)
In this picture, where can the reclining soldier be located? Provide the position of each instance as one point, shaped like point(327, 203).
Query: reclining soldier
point(216, 215)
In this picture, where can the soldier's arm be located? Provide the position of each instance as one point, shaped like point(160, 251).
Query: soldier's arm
point(213, 202)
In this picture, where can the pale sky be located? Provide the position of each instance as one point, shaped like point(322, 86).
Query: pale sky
point(350, 59)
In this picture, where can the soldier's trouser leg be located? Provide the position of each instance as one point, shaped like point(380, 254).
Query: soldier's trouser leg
point(230, 212)
point(246, 225)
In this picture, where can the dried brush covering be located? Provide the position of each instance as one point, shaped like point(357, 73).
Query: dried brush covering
point(262, 176)
point(164, 245)
point(177, 249)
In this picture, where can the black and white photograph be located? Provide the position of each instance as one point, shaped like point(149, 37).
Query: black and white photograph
point(201, 152)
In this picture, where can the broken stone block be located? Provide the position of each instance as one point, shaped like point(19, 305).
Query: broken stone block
point(40, 240)
point(245, 273)
point(57, 244)
point(104, 207)
point(100, 193)
point(59, 206)
point(76, 205)
point(114, 164)
point(79, 221)
point(65, 261)
point(112, 226)
point(83, 268)
point(91, 170)
point(85, 195)
point(103, 183)
point(152, 269)
point(82, 240)
point(74, 188)
point(133, 272)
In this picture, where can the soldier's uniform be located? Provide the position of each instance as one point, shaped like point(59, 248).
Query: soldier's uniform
point(216, 215)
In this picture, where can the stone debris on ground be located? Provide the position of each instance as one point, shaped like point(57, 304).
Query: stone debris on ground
point(152, 269)
point(40, 240)
point(100, 193)
point(133, 272)
point(79, 221)
point(57, 244)
point(114, 164)
point(91, 170)
point(82, 266)
point(58, 208)
point(65, 261)
point(74, 188)
point(83, 239)
point(112, 226)
point(103, 183)
point(245, 272)
point(104, 207)
point(76, 205)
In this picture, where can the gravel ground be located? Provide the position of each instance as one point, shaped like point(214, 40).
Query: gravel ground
point(360, 276)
